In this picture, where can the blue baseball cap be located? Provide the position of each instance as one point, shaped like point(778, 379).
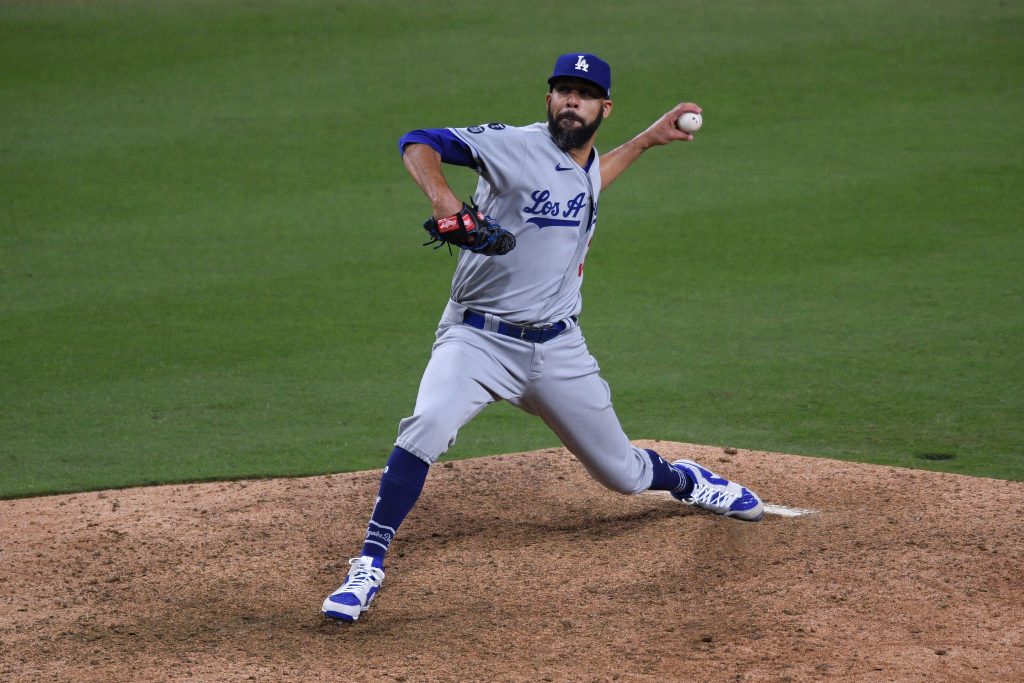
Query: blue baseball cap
point(584, 66)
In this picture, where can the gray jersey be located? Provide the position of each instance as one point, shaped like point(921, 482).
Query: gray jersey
point(538, 193)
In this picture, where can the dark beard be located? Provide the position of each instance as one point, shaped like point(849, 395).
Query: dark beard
point(572, 138)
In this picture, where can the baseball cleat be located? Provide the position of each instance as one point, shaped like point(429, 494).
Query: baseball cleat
point(355, 595)
point(717, 494)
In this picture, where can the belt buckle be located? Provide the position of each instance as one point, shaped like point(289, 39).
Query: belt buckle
point(540, 329)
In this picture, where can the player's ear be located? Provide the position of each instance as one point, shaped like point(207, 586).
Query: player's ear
point(607, 108)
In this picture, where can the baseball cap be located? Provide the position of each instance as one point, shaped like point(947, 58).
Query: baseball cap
point(584, 66)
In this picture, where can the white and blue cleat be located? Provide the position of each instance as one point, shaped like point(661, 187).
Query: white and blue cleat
point(355, 595)
point(717, 494)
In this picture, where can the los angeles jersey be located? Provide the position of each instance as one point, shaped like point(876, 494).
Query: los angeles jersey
point(549, 202)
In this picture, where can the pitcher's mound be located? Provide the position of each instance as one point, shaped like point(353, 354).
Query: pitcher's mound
point(521, 568)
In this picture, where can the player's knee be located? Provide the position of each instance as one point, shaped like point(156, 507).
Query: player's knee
point(629, 488)
point(628, 474)
point(624, 482)
point(429, 431)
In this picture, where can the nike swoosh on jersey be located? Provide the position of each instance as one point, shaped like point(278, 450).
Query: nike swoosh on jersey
point(558, 167)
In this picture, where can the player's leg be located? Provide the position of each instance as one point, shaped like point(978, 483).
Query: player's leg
point(593, 434)
point(400, 487)
point(575, 402)
point(461, 379)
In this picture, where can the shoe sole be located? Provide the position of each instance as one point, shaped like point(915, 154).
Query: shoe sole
point(340, 616)
point(333, 610)
point(736, 515)
point(731, 515)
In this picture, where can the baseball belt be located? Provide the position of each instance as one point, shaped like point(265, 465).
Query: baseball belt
point(537, 334)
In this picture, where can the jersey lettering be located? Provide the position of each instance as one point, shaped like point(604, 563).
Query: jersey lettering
point(559, 218)
point(575, 205)
point(541, 205)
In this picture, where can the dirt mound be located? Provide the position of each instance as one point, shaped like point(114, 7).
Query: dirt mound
point(521, 568)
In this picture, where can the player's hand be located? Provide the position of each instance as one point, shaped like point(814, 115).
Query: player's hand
point(468, 228)
point(664, 131)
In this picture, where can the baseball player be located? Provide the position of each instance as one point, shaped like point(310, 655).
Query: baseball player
point(510, 330)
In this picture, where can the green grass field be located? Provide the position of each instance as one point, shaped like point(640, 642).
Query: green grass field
point(210, 260)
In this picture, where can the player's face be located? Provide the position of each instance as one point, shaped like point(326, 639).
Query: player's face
point(575, 111)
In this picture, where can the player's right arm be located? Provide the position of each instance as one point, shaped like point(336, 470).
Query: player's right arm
point(423, 152)
point(423, 163)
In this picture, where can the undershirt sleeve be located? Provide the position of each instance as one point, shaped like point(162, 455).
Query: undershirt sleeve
point(451, 148)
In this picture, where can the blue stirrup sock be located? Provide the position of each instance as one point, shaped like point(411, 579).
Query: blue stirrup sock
point(400, 488)
point(666, 477)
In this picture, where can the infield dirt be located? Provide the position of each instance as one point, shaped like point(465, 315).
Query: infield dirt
point(521, 568)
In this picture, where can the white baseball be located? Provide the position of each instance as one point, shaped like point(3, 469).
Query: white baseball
point(689, 122)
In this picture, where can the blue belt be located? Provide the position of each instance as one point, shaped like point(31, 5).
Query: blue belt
point(538, 334)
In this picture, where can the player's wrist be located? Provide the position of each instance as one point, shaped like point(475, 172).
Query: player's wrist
point(640, 144)
point(446, 206)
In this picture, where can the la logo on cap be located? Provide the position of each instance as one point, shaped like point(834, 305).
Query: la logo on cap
point(585, 66)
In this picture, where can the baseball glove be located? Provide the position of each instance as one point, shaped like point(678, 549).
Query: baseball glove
point(470, 229)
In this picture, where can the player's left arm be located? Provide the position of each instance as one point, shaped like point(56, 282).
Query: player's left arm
point(661, 132)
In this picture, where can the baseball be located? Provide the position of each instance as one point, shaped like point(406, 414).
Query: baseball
point(689, 122)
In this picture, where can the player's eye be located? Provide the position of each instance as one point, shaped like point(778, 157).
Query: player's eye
point(584, 92)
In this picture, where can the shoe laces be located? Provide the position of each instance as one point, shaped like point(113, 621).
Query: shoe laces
point(362, 575)
point(717, 496)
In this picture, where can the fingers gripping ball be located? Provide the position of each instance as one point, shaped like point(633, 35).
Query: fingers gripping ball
point(689, 122)
point(470, 229)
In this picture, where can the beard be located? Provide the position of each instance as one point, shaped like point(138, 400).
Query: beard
point(573, 137)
